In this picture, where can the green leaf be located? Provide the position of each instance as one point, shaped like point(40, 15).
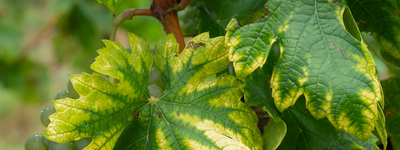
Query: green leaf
point(256, 89)
point(273, 135)
point(392, 103)
point(389, 58)
point(306, 132)
point(319, 59)
point(192, 113)
point(111, 5)
point(104, 109)
point(214, 16)
point(382, 19)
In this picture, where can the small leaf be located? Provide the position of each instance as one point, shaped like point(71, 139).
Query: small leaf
point(273, 135)
point(382, 19)
point(104, 109)
point(111, 5)
point(306, 132)
point(192, 113)
point(319, 59)
point(214, 16)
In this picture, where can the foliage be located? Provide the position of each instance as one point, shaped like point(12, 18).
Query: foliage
point(392, 95)
point(335, 83)
point(321, 89)
point(306, 132)
point(381, 19)
point(187, 108)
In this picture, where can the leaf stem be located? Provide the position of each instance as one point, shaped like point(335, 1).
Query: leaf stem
point(128, 14)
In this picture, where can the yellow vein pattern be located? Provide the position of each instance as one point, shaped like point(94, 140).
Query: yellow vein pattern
point(319, 59)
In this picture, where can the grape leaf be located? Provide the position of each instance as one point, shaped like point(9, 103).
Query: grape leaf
point(111, 5)
point(392, 103)
point(319, 59)
point(306, 132)
point(214, 16)
point(274, 133)
point(192, 113)
point(382, 19)
point(256, 89)
point(104, 109)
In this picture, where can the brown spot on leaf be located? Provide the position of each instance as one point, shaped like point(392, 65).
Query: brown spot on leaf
point(159, 114)
point(258, 15)
point(195, 46)
point(86, 112)
point(136, 115)
point(340, 51)
point(360, 22)
point(183, 125)
point(336, 3)
point(177, 113)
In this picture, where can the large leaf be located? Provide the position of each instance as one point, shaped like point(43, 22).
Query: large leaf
point(382, 19)
point(306, 132)
point(319, 58)
point(111, 5)
point(104, 109)
point(192, 113)
point(214, 16)
point(392, 103)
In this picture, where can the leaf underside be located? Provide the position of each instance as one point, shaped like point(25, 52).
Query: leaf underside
point(382, 19)
point(190, 113)
point(319, 59)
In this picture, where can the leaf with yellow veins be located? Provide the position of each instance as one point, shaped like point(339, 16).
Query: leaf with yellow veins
point(306, 132)
point(189, 114)
point(193, 113)
point(104, 109)
point(319, 59)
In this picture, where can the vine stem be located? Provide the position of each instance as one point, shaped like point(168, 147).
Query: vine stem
point(128, 14)
point(169, 19)
point(181, 6)
point(164, 11)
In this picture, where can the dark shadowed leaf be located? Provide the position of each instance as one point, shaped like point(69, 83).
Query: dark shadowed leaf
point(382, 19)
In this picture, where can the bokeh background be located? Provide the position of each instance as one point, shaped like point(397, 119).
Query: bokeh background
point(42, 41)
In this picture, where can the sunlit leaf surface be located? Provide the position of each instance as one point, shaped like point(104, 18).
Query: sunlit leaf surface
point(190, 114)
point(319, 59)
point(304, 132)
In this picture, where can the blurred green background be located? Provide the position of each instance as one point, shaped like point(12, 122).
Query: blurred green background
point(42, 41)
